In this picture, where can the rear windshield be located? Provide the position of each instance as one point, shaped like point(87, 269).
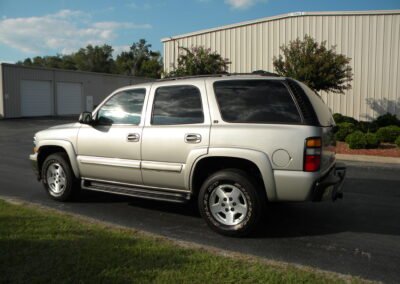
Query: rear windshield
point(256, 101)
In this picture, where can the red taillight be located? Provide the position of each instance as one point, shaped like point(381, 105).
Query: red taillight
point(312, 154)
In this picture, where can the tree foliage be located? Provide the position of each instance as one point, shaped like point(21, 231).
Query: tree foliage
point(322, 69)
point(140, 60)
point(95, 59)
point(199, 61)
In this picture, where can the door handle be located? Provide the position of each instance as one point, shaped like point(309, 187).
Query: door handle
point(133, 137)
point(192, 138)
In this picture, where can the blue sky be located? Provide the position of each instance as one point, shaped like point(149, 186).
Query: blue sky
point(48, 27)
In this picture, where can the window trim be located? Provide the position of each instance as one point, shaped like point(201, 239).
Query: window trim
point(172, 86)
point(96, 114)
point(301, 122)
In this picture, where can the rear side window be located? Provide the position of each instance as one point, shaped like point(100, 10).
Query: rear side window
point(177, 105)
point(256, 101)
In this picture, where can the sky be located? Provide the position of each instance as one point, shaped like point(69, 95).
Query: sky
point(48, 27)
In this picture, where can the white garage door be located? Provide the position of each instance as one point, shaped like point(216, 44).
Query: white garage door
point(36, 98)
point(69, 98)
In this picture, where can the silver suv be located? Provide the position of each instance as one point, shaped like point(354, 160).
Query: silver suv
point(234, 143)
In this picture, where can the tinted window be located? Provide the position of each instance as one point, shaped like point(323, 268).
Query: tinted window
point(255, 101)
point(177, 105)
point(123, 108)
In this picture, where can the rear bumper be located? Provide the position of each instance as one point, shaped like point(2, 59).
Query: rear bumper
point(34, 163)
point(330, 186)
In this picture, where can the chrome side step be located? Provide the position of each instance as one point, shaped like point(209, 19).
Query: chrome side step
point(136, 191)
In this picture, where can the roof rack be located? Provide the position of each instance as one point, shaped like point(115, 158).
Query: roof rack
point(258, 72)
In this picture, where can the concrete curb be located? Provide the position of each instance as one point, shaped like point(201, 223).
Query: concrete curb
point(368, 158)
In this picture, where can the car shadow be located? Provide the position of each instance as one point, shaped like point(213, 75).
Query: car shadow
point(363, 209)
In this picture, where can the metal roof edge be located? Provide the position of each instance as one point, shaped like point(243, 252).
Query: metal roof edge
point(74, 71)
point(283, 16)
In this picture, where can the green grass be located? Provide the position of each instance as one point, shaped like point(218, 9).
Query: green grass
point(40, 245)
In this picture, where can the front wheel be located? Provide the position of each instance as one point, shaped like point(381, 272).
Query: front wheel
point(57, 177)
point(230, 203)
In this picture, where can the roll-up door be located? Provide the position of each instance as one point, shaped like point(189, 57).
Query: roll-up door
point(36, 98)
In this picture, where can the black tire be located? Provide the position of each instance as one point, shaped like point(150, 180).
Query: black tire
point(58, 178)
point(251, 201)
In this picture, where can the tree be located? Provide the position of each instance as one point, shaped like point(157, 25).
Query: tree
point(140, 60)
point(95, 59)
point(322, 69)
point(199, 61)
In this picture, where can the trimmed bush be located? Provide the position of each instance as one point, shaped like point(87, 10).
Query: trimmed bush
point(344, 129)
point(397, 141)
point(388, 133)
point(387, 120)
point(366, 126)
point(372, 140)
point(356, 140)
point(339, 118)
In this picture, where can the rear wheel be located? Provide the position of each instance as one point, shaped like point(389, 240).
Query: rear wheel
point(230, 203)
point(58, 178)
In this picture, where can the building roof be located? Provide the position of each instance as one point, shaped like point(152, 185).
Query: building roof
point(283, 16)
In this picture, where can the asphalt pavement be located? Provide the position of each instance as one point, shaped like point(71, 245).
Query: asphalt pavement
point(359, 235)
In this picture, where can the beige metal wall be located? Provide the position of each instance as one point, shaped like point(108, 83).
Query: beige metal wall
point(93, 84)
point(1, 93)
point(370, 38)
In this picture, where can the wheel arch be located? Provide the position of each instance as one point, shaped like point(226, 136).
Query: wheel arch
point(48, 147)
point(255, 163)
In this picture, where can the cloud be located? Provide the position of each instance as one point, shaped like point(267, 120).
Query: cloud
point(243, 4)
point(141, 6)
point(64, 31)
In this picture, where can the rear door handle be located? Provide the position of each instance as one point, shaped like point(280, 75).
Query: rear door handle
point(133, 137)
point(192, 138)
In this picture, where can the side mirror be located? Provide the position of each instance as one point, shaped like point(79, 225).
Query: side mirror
point(86, 117)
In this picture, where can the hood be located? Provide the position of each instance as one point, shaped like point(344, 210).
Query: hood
point(59, 132)
point(66, 126)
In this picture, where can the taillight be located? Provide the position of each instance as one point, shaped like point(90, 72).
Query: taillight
point(312, 154)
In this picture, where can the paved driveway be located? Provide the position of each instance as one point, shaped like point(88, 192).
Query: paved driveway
point(359, 235)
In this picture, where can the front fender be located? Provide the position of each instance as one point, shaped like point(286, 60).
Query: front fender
point(260, 159)
point(69, 149)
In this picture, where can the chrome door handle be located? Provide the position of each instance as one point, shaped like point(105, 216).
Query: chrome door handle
point(133, 137)
point(192, 138)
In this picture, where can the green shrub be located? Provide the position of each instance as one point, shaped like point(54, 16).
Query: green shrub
point(372, 140)
point(356, 140)
point(397, 141)
point(387, 120)
point(388, 133)
point(367, 126)
point(344, 129)
point(339, 118)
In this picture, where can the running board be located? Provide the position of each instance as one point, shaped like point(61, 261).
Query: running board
point(135, 191)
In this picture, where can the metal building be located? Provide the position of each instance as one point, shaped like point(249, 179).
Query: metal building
point(31, 91)
point(370, 38)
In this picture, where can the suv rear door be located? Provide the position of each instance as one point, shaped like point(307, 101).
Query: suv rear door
point(175, 134)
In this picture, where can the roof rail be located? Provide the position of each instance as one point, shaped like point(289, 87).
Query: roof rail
point(190, 77)
point(258, 72)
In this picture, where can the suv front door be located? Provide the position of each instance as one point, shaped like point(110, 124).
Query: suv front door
point(109, 149)
point(175, 134)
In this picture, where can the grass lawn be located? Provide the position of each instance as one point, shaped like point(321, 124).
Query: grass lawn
point(40, 245)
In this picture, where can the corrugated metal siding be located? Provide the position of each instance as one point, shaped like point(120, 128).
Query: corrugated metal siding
point(371, 40)
point(97, 85)
point(1, 93)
